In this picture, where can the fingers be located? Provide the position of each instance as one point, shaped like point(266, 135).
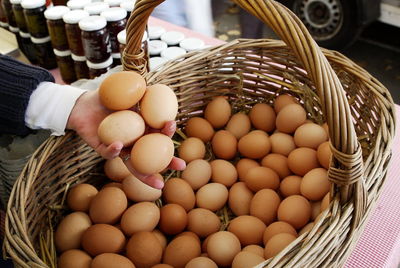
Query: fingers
point(111, 151)
point(177, 164)
point(169, 128)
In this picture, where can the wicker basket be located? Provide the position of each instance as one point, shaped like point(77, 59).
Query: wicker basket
point(358, 109)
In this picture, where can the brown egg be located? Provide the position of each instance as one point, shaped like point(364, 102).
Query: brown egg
point(181, 250)
point(326, 127)
point(315, 184)
point(290, 186)
point(239, 199)
point(310, 135)
point(278, 227)
point(197, 173)
point(138, 191)
point(200, 128)
point(222, 247)
point(259, 178)
point(191, 149)
point(152, 153)
point(315, 209)
point(108, 205)
point(103, 238)
point(224, 145)
point(74, 258)
point(115, 169)
point(70, 230)
point(290, 118)
point(113, 184)
point(223, 172)
point(254, 145)
point(189, 233)
point(178, 191)
point(203, 222)
point(243, 166)
point(107, 260)
point(282, 143)
point(218, 112)
point(283, 100)
point(277, 163)
point(212, 196)
point(239, 125)
point(277, 243)
point(158, 105)
point(324, 154)
point(161, 238)
point(201, 262)
point(173, 219)
point(262, 116)
point(306, 228)
point(204, 245)
point(162, 265)
point(264, 205)
point(122, 90)
point(295, 210)
point(325, 202)
point(80, 196)
point(256, 249)
point(245, 259)
point(248, 229)
point(143, 216)
point(144, 249)
point(124, 126)
point(302, 160)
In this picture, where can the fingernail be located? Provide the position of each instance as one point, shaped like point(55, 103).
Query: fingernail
point(158, 184)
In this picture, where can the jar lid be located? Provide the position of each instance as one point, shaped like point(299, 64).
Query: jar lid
point(15, 2)
point(114, 14)
point(13, 29)
point(116, 55)
point(74, 16)
point(156, 47)
point(92, 23)
point(78, 4)
point(172, 53)
point(62, 53)
point(113, 3)
point(121, 36)
point(155, 32)
point(78, 58)
point(55, 12)
point(154, 62)
point(191, 44)
point(128, 5)
point(24, 35)
point(100, 65)
point(96, 8)
point(3, 24)
point(40, 40)
point(172, 37)
point(30, 4)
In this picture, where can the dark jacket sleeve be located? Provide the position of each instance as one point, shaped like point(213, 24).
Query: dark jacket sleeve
point(17, 82)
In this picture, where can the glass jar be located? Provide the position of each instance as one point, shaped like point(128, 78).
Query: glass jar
point(27, 47)
point(116, 22)
point(116, 59)
point(156, 47)
point(95, 39)
point(3, 17)
point(96, 8)
point(15, 31)
point(73, 32)
point(128, 5)
point(65, 65)
point(113, 3)
point(59, 2)
point(56, 26)
point(121, 36)
point(34, 17)
point(44, 52)
point(80, 67)
point(155, 32)
point(19, 15)
point(7, 8)
point(77, 4)
point(97, 69)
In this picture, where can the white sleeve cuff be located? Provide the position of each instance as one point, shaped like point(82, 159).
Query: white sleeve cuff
point(50, 106)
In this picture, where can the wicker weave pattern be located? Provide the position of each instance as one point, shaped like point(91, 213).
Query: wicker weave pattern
point(357, 107)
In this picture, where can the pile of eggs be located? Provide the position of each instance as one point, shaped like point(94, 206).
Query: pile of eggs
point(264, 184)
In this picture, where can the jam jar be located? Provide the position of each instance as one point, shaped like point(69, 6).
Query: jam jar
point(27, 47)
point(96, 8)
point(116, 59)
point(44, 52)
point(121, 36)
point(95, 39)
point(15, 31)
point(116, 22)
point(80, 67)
point(59, 2)
point(73, 32)
point(155, 32)
point(113, 3)
point(77, 4)
point(7, 8)
point(65, 65)
point(55, 24)
point(128, 5)
point(97, 69)
point(19, 15)
point(3, 17)
point(34, 17)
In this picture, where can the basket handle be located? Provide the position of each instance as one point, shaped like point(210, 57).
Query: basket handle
point(346, 169)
